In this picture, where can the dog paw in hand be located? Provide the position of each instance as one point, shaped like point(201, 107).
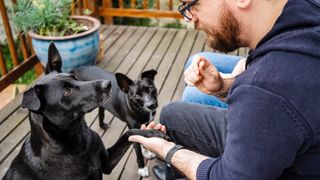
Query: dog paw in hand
point(147, 154)
point(143, 172)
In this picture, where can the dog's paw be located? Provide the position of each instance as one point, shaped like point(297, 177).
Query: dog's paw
point(147, 154)
point(143, 172)
point(104, 126)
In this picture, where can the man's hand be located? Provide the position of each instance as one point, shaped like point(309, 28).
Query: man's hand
point(204, 76)
point(154, 144)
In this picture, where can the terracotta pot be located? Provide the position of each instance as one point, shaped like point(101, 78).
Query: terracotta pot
point(76, 50)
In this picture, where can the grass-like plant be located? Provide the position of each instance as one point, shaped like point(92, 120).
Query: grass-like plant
point(46, 17)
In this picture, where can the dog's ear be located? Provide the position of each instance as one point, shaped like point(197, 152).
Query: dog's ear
point(123, 82)
point(149, 74)
point(31, 99)
point(54, 60)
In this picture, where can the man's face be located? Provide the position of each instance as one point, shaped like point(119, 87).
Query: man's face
point(219, 24)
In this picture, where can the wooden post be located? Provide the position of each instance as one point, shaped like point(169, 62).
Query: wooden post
point(170, 5)
point(8, 34)
point(3, 66)
point(107, 4)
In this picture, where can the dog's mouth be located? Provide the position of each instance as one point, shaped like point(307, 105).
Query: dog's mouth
point(151, 108)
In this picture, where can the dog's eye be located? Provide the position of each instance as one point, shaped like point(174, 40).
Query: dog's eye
point(67, 91)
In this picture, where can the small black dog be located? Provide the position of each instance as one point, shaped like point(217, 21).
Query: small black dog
point(134, 102)
point(61, 145)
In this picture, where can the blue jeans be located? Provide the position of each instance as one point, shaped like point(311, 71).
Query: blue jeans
point(223, 63)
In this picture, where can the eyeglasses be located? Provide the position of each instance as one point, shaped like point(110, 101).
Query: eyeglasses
point(184, 7)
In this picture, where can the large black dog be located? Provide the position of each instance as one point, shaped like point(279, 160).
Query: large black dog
point(61, 145)
point(132, 101)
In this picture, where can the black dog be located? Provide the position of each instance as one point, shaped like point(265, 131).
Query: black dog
point(61, 146)
point(134, 102)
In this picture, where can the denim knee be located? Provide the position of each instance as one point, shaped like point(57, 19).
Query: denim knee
point(166, 112)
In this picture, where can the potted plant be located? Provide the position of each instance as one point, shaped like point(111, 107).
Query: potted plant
point(76, 37)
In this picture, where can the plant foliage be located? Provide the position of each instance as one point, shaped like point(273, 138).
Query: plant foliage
point(46, 17)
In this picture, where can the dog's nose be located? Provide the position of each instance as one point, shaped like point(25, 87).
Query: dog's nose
point(106, 86)
point(152, 106)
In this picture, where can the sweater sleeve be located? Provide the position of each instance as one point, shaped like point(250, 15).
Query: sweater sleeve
point(264, 133)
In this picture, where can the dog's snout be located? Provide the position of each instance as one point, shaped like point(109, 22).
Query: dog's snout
point(106, 86)
point(152, 106)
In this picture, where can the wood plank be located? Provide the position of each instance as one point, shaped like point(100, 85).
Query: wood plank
point(10, 108)
point(4, 166)
point(131, 168)
point(11, 141)
point(10, 124)
point(125, 49)
point(169, 57)
point(161, 51)
point(197, 47)
point(3, 66)
point(9, 36)
point(149, 50)
point(134, 53)
point(129, 30)
point(18, 72)
point(107, 12)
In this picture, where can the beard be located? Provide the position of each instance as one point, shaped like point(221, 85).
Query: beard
point(226, 37)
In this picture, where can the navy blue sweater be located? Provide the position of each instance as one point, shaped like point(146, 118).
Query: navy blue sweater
point(274, 115)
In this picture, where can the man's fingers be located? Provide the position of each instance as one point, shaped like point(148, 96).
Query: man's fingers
point(163, 128)
point(151, 125)
point(137, 138)
point(143, 126)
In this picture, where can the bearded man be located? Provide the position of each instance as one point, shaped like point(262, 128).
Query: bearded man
point(271, 128)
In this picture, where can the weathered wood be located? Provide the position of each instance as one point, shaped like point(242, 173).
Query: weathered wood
point(23, 46)
point(7, 161)
point(170, 5)
point(15, 74)
point(125, 49)
point(139, 13)
point(134, 53)
point(147, 53)
point(7, 28)
point(12, 122)
point(11, 141)
point(3, 66)
point(197, 47)
point(160, 52)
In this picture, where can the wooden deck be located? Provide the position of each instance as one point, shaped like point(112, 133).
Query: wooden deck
point(128, 50)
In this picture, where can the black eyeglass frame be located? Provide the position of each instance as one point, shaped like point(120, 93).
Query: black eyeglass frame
point(183, 10)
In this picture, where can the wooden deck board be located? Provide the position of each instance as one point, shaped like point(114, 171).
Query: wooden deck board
point(129, 50)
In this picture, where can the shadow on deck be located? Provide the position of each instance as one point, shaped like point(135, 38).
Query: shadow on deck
point(128, 50)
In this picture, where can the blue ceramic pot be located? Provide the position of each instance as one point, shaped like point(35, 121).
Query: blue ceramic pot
point(75, 50)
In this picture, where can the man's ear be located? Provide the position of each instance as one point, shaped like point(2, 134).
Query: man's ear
point(149, 74)
point(31, 99)
point(54, 59)
point(243, 3)
point(123, 82)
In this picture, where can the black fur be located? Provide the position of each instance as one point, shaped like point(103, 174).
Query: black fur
point(61, 146)
point(132, 101)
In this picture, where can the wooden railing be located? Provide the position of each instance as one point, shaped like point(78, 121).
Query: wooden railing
point(19, 66)
point(130, 8)
point(106, 10)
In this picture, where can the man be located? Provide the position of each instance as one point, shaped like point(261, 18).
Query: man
point(271, 129)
